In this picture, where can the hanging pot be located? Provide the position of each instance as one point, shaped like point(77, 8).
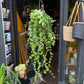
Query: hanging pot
point(67, 33)
point(78, 30)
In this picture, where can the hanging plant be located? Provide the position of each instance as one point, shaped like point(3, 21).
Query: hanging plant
point(41, 38)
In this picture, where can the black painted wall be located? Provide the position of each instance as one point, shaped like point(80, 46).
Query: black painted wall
point(21, 3)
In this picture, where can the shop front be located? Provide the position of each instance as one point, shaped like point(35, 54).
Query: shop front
point(67, 55)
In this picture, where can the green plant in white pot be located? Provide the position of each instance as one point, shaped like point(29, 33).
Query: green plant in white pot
point(41, 38)
point(8, 78)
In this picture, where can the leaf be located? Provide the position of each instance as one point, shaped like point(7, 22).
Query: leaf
point(16, 77)
point(6, 82)
point(44, 72)
point(51, 53)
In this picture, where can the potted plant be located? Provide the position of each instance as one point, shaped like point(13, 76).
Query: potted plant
point(8, 78)
point(21, 69)
point(41, 38)
point(72, 78)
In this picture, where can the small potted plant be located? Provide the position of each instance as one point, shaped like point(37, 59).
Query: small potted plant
point(6, 77)
point(21, 69)
point(41, 38)
point(72, 78)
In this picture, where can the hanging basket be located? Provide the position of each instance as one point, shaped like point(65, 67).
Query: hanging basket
point(68, 29)
point(78, 30)
point(67, 33)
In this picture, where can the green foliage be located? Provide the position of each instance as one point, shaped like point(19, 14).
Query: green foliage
point(41, 38)
point(2, 73)
point(5, 78)
point(72, 80)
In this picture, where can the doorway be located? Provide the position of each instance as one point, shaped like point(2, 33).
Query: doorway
point(52, 8)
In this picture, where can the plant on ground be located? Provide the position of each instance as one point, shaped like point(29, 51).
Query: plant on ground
point(41, 39)
point(6, 78)
point(72, 80)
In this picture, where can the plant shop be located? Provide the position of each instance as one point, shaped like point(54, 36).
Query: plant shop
point(41, 42)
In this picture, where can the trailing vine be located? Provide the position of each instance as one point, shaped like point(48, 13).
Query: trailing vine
point(41, 38)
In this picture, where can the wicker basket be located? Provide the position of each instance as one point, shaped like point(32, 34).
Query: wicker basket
point(67, 33)
point(68, 28)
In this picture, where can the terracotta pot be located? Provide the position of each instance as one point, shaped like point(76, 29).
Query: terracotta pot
point(67, 33)
point(78, 30)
